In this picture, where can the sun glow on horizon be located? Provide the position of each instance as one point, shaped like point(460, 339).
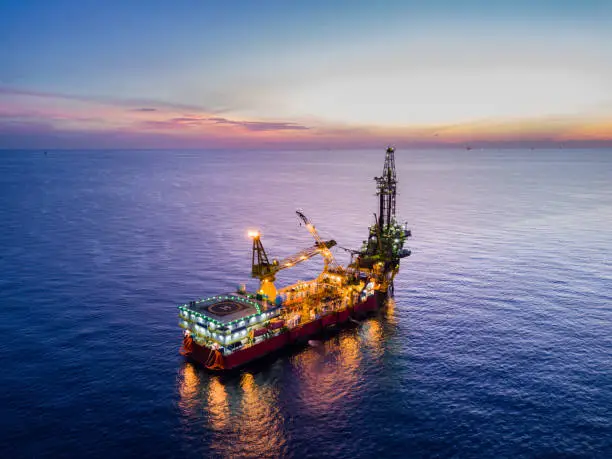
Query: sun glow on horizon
point(527, 75)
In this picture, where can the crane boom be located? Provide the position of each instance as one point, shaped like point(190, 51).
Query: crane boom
point(327, 254)
point(265, 271)
point(305, 254)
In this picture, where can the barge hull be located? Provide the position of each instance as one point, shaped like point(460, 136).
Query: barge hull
point(214, 360)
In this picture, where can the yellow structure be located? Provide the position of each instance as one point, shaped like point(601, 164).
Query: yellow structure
point(265, 271)
point(267, 288)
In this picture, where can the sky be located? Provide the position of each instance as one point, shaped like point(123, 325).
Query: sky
point(304, 74)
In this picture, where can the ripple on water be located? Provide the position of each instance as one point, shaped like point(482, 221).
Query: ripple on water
point(498, 343)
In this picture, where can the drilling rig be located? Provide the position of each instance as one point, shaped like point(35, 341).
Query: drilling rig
point(228, 330)
point(381, 252)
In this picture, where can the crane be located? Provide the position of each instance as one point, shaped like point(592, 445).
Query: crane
point(328, 257)
point(265, 271)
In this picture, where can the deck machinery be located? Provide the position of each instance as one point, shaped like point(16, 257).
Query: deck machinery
point(226, 331)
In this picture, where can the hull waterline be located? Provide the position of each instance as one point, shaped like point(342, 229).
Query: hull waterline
point(215, 361)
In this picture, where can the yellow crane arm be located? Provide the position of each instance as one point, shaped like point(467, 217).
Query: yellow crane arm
point(265, 271)
point(262, 268)
point(303, 255)
point(327, 254)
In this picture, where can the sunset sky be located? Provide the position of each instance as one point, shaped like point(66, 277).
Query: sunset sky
point(304, 74)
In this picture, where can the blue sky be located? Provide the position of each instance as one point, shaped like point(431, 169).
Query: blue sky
point(344, 71)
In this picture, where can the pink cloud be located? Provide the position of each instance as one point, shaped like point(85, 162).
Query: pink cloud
point(75, 121)
point(189, 122)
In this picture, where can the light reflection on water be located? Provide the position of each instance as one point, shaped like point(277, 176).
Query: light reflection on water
point(373, 331)
point(257, 424)
point(389, 312)
point(242, 415)
point(247, 415)
point(189, 388)
point(217, 406)
point(498, 345)
point(328, 374)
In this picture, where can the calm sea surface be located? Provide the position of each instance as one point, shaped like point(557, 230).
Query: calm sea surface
point(498, 343)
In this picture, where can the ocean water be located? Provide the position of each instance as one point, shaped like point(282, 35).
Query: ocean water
point(498, 342)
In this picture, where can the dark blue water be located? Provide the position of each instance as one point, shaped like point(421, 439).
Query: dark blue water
point(498, 343)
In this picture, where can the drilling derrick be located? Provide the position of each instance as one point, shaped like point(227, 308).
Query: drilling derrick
point(384, 247)
point(386, 190)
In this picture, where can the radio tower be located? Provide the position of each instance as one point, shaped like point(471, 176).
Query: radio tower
point(386, 190)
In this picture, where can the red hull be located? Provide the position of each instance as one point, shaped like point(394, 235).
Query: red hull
point(343, 316)
point(362, 309)
point(243, 356)
point(214, 360)
point(329, 320)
